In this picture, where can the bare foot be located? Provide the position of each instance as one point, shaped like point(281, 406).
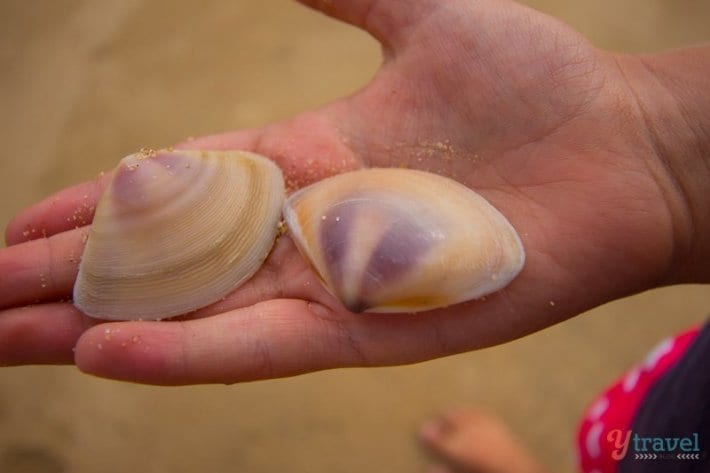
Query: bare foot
point(472, 441)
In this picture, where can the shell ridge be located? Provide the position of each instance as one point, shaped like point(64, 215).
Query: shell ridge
point(417, 242)
point(201, 219)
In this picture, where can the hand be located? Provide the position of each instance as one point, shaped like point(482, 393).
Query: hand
point(498, 96)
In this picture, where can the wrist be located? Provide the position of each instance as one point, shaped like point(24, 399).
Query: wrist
point(673, 94)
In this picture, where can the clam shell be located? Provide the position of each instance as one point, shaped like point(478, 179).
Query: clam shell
point(399, 240)
point(176, 231)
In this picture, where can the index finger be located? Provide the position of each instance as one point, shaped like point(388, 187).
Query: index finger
point(69, 208)
point(74, 206)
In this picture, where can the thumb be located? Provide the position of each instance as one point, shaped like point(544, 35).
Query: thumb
point(386, 20)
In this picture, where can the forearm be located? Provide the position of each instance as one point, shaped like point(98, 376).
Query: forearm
point(673, 92)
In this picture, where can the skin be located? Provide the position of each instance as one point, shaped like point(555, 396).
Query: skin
point(598, 160)
point(473, 441)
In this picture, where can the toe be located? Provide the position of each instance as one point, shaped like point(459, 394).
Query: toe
point(431, 431)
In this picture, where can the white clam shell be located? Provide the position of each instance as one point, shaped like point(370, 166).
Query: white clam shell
point(398, 240)
point(176, 231)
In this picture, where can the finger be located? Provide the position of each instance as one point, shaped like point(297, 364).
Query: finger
point(67, 209)
point(272, 339)
point(43, 334)
point(284, 337)
point(268, 340)
point(307, 147)
point(386, 20)
point(46, 269)
point(47, 333)
point(239, 139)
point(74, 207)
point(40, 270)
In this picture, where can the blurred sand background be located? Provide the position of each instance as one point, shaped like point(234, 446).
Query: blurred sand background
point(84, 82)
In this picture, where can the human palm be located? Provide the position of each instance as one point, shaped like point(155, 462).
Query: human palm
point(502, 98)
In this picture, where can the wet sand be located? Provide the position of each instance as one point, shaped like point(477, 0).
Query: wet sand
point(83, 83)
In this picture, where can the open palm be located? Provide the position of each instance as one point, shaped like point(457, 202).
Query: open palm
point(502, 98)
